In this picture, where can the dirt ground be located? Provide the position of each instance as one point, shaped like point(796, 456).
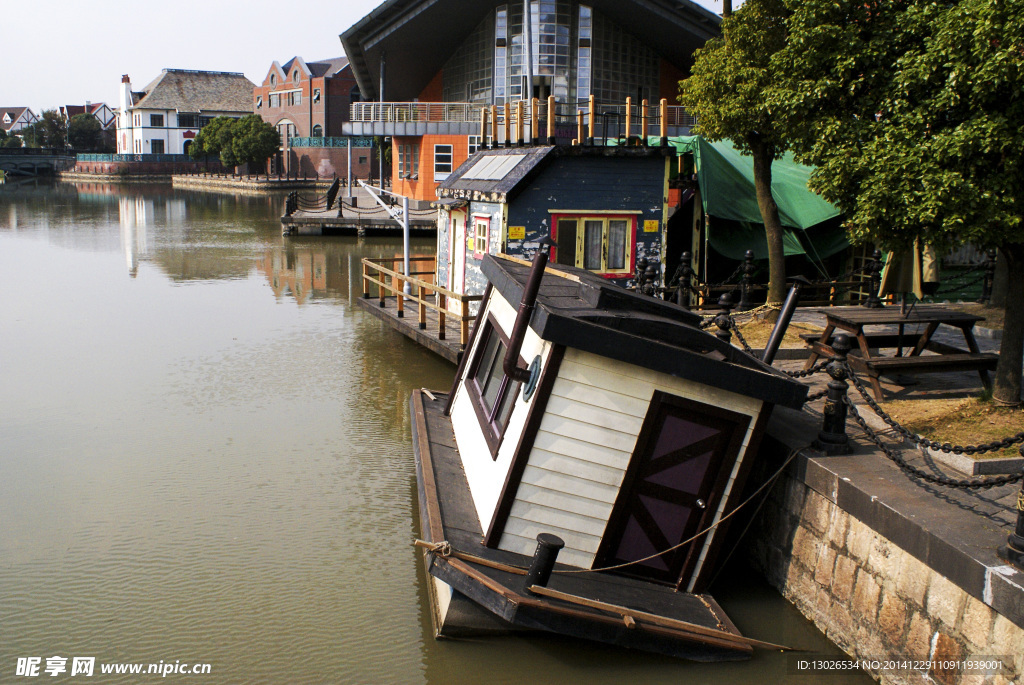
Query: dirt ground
point(993, 315)
point(963, 421)
point(756, 332)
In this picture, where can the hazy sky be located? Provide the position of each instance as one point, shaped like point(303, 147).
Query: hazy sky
point(65, 52)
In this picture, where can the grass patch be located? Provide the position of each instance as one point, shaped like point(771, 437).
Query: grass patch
point(756, 332)
point(963, 421)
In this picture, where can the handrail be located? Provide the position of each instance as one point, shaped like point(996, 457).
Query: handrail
point(423, 289)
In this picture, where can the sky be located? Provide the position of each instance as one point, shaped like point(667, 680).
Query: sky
point(67, 52)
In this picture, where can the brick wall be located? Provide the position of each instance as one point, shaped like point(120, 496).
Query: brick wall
point(872, 598)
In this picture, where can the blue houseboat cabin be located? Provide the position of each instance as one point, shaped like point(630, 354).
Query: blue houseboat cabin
point(605, 207)
point(605, 418)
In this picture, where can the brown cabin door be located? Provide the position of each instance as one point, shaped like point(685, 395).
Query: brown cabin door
point(674, 482)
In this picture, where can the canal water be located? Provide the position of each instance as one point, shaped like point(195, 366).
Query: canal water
point(205, 459)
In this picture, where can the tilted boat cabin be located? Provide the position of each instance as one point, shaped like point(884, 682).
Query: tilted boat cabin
point(617, 425)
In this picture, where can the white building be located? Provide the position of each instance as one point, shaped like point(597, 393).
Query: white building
point(13, 119)
point(166, 115)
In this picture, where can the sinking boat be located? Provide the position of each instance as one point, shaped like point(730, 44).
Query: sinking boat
point(580, 475)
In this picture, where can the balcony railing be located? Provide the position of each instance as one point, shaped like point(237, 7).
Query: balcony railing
point(330, 141)
point(565, 113)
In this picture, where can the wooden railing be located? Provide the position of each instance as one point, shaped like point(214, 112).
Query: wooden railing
point(423, 295)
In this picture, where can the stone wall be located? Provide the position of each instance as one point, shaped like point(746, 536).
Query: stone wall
point(870, 596)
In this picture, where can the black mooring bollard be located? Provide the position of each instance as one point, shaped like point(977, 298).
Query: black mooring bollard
point(832, 438)
point(875, 270)
point(722, 320)
point(1013, 552)
point(745, 282)
point(543, 563)
point(683, 293)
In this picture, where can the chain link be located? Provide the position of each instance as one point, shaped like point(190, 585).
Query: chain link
point(820, 366)
point(915, 438)
point(946, 481)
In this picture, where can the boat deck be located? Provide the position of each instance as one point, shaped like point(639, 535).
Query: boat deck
point(599, 606)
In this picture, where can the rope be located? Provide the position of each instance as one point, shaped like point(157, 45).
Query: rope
point(695, 536)
point(442, 549)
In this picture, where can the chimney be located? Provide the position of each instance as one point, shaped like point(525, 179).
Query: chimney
point(125, 79)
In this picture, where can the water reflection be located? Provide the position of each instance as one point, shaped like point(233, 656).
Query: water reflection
point(211, 460)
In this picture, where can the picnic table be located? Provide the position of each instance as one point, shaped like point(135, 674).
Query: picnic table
point(865, 358)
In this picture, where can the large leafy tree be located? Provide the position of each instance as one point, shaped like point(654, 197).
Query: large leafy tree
point(254, 140)
point(85, 132)
point(913, 115)
point(214, 139)
point(49, 132)
point(727, 92)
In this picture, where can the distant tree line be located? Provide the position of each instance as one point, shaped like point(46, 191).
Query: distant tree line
point(83, 133)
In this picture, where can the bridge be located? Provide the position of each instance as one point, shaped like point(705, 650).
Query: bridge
point(31, 161)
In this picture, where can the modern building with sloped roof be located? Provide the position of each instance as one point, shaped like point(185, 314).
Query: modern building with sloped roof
point(169, 111)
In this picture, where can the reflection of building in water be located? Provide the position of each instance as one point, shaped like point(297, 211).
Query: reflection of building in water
point(136, 215)
point(299, 271)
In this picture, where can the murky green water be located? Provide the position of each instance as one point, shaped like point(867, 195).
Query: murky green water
point(205, 458)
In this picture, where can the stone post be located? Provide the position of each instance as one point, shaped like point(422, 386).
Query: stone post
point(722, 320)
point(875, 269)
point(990, 276)
point(832, 438)
point(1013, 552)
point(748, 275)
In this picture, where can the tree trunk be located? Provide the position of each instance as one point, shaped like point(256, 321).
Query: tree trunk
point(763, 157)
point(1011, 352)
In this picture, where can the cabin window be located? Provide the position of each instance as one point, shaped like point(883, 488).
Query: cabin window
point(596, 243)
point(481, 231)
point(492, 393)
point(442, 162)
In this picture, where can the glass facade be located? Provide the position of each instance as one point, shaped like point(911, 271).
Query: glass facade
point(574, 52)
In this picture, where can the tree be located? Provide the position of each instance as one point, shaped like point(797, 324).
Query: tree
point(253, 140)
point(84, 132)
point(215, 139)
point(913, 114)
point(727, 93)
point(50, 131)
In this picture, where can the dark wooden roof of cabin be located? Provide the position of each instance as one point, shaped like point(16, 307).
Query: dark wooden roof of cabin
point(586, 312)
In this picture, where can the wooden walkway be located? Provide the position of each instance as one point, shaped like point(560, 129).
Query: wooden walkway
point(449, 347)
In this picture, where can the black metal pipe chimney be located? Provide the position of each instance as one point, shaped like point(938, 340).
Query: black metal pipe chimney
point(510, 364)
point(775, 340)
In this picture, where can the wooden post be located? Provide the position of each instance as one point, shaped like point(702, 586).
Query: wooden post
point(535, 121)
point(579, 127)
point(464, 323)
point(423, 308)
point(399, 284)
point(629, 118)
point(664, 122)
point(590, 122)
point(442, 303)
point(366, 281)
point(494, 126)
point(380, 286)
point(551, 120)
point(645, 126)
point(508, 137)
point(483, 127)
point(520, 133)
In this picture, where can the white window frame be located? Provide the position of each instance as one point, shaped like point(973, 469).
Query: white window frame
point(440, 172)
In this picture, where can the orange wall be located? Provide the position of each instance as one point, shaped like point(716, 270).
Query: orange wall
point(434, 92)
point(669, 78)
point(424, 188)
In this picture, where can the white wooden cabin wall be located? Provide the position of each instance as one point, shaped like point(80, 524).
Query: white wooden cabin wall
point(582, 449)
point(485, 475)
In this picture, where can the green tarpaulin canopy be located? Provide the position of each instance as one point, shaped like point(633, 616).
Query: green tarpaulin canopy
point(726, 179)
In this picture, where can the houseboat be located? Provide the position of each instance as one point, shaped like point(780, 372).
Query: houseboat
point(579, 476)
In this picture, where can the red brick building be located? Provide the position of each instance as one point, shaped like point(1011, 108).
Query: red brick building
point(308, 102)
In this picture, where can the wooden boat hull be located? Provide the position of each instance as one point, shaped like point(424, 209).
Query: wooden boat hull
point(483, 591)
